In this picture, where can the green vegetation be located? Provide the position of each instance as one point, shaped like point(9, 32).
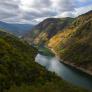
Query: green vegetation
point(74, 43)
point(80, 50)
point(20, 73)
point(45, 30)
point(47, 87)
point(45, 51)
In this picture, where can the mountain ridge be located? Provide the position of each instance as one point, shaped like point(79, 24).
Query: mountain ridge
point(46, 29)
point(74, 43)
point(14, 28)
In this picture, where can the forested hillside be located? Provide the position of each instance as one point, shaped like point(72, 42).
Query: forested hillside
point(74, 44)
point(20, 73)
point(41, 33)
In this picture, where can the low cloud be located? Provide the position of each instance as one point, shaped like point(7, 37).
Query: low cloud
point(34, 11)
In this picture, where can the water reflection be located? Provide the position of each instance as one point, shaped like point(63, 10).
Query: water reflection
point(67, 73)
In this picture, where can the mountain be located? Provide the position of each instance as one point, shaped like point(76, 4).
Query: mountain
point(16, 29)
point(42, 32)
point(20, 73)
point(69, 38)
point(74, 44)
point(82, 18)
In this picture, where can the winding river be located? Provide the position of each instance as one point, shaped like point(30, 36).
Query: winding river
point(69, 74)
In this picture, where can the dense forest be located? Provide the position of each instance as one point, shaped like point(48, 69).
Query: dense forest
point(20, 73)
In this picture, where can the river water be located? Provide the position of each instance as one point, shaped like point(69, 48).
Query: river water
point(69, 74)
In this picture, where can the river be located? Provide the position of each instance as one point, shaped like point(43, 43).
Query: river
point(67, 73)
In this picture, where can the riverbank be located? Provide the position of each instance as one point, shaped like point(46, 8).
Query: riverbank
point(71, 64)
point(76, 67)
point(75, 77)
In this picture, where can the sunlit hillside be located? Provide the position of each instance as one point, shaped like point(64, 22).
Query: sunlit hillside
point(42, 32)
point(74, 44)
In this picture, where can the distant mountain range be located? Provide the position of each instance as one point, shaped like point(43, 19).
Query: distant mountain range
point(16, 29)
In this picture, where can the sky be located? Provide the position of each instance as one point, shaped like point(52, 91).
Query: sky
point(34, 11)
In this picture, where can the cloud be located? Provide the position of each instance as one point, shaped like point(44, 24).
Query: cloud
point(81, 10)
point(64, 5)
point(8, 9)
point(66, 14)
point(85, 1)
point(27, 4)
point(34, 11)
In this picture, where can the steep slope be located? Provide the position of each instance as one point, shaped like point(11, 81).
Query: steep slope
point(16, 29)
point(74, 43)
point(46, 29)
point(82, 18)
point(20, 73)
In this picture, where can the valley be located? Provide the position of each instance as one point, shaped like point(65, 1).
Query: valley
point(20, 73)
point(45, 45)
point(21, 59)
point(75, 76)
point(71, 43)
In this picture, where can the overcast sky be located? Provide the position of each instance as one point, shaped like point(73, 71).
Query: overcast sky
point(34, 11)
